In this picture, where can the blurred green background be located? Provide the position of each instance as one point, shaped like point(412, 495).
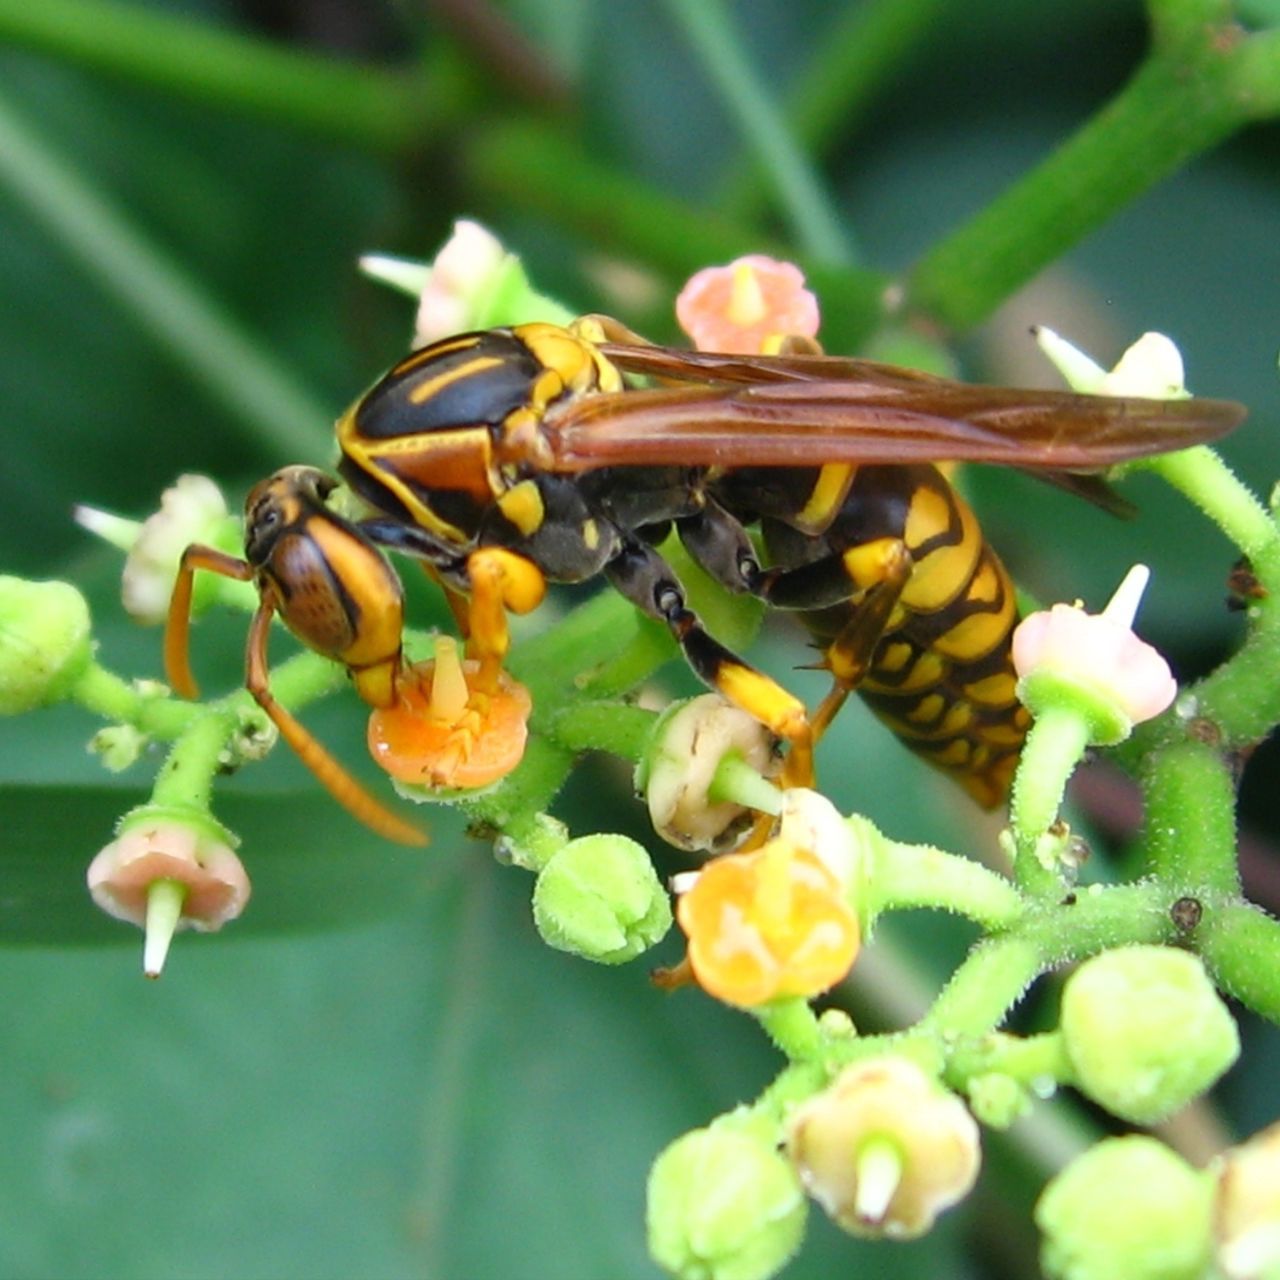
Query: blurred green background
point(381, 1071)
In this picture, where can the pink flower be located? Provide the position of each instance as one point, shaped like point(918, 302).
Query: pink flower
point(740, 307)
point(1099, 653)
point(165, 874)
point(466, 266)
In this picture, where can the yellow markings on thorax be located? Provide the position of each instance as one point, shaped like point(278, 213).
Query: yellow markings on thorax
point(826, 497)
point(429, 387)
point(522, 505)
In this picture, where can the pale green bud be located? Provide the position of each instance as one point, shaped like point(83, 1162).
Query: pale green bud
point(1145, 1032)
point(1128, 1209)
point(997, 1100)
point(723, 1205)
point(45, 643)
point(599, 897)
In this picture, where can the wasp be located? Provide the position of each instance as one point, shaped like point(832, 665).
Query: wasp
point(513, 457)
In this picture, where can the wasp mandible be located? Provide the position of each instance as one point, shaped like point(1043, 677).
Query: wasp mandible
point(508, 458)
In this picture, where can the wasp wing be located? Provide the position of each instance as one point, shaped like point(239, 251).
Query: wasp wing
point(806, 411)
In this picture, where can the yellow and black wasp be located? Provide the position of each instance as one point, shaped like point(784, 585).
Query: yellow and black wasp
point(512, 457)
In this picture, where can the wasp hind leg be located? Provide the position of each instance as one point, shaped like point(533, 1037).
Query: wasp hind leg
point(642, 575)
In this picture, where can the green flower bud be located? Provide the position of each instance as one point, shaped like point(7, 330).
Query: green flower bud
point(723, 1205)
point(1145, 1032)
point(599, 897)
point(997, 1100)
point(45, 644)
point(1127, 1208)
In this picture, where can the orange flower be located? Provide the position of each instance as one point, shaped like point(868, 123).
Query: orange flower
point(770, 923)
point(445, 734)
point(740, 307)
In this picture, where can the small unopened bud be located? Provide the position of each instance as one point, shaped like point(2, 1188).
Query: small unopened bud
point(473, 283)
point(690, 744)
point(1145, 1031)
point(723, 1205)
point(165, 872)
point(191, 510)
point(1150, 367)
point(1246, 1211)
point(1127, 1209)
point(599, 897)
point(45, 643)
point(885, 1149)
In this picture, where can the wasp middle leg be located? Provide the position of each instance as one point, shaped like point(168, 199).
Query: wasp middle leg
point(645, 578)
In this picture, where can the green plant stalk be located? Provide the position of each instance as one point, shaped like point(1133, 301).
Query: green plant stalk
point(797, 189)
point(907, 876)
point(529, 166)
point(185, 780)
point(368, 106)
point(215, 351)
point(602, 726)
point(1028, 1059)
point(985, 987)
point(1239, 942)
point(1173, 109)
point(108, 695)
point(1000, 968)
point(1189, 837)
point(793, 1026)
point(1200, 475)
point(863, 50)
point(1055, 744)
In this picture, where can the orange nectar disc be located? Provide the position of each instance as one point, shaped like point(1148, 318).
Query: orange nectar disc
point(471, 748)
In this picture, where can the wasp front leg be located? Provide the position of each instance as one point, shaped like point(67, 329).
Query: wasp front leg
point(177, 631)
point(642, 575)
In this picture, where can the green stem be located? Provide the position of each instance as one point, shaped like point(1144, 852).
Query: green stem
point(1201, 476)
point(1239, 943)
point(1055, 744)
point(107, 695)
point(862, 51)
point(985, 987)
point(796, 186)
point(532, 167)
point(1029, 1059)
point(1189, 839)
point(603, 726)
point(236, 369)
point(185, 780)
point(1181, 102)
point(912, 875)
point(369, 106)
point(793, 1026)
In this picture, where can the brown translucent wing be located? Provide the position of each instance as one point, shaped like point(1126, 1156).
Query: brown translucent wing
point(808, 410)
